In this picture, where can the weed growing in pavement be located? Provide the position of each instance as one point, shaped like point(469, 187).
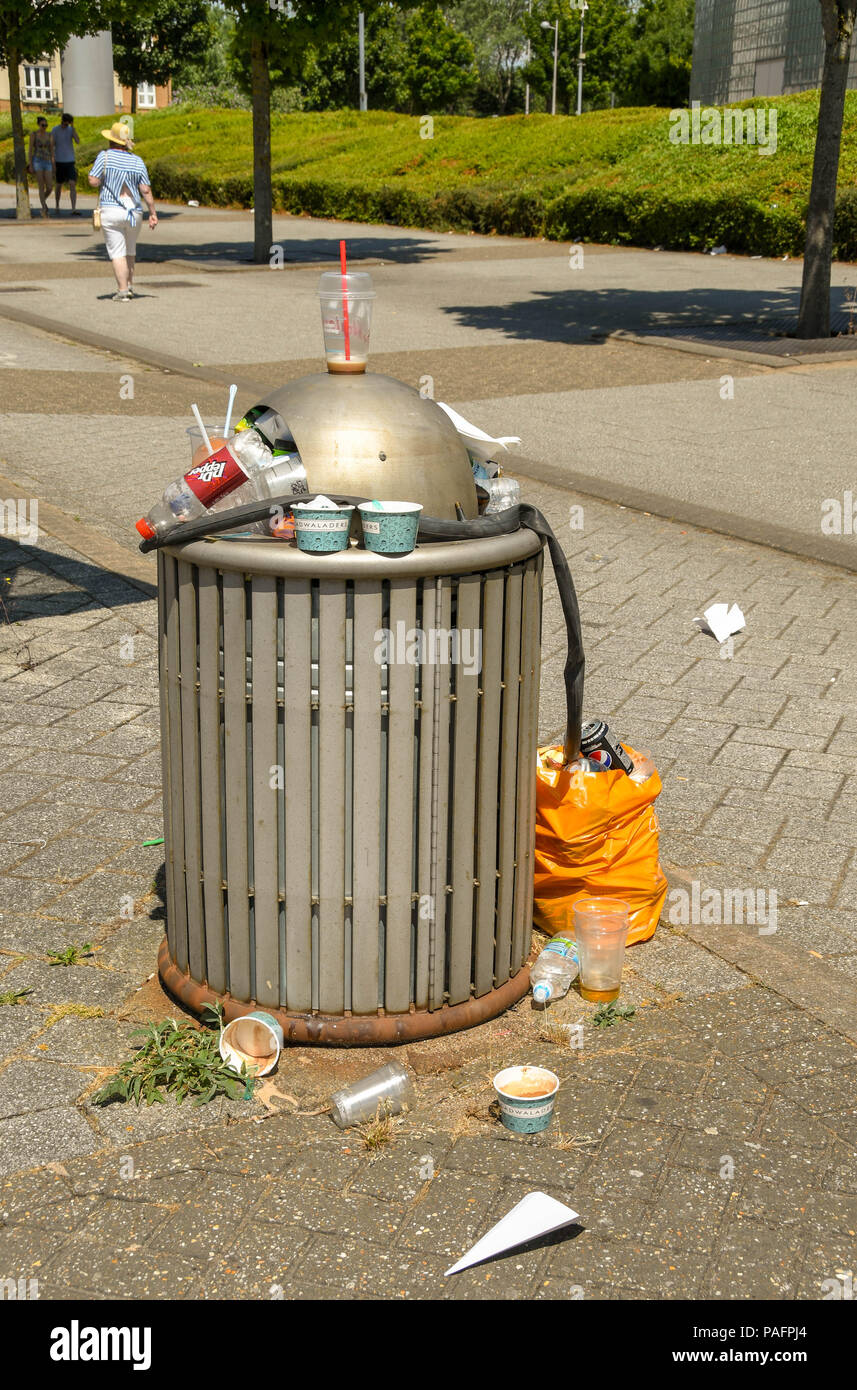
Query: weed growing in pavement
point(608, 1014)
point(14, 996)
point(61, 1011)
point(71, 955)
point(564, 1035)
point(378, 1132)
point(175, 1059)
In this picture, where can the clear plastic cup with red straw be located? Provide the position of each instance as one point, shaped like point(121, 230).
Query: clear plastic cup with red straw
point(346, 298)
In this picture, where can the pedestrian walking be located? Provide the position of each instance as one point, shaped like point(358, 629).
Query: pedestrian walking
point(122, 179)
point(64, 137)
point(41, 161)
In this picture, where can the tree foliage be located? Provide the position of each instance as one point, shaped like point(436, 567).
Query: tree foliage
point(153, 47)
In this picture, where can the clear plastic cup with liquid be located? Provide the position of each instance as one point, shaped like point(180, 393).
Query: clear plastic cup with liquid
point(600, 931)
point(198, 448)
point(346, 318)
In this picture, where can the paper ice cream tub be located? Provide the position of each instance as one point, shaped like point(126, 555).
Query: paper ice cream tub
point(254, 1040)
point(526, 1114)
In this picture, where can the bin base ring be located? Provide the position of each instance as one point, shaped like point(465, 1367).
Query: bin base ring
point(363, 1030)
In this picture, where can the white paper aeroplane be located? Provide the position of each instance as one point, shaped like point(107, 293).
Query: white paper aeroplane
point(535, 1215)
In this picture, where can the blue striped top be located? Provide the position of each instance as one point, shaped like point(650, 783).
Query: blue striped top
point(118, 169)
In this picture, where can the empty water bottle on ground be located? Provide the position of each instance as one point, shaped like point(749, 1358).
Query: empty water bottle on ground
point(555, 969)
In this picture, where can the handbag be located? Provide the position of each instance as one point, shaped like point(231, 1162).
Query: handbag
point(96, 217)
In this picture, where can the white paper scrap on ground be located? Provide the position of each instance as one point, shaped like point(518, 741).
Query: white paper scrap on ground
point(535, 1215)
point(721, 621)
point(477, 440)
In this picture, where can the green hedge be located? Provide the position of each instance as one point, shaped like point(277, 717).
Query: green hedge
point(609, 177)
point(640, 217)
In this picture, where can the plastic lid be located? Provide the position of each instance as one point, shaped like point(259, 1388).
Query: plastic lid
point(541, 992)
point(146, 531)
point(358, 284)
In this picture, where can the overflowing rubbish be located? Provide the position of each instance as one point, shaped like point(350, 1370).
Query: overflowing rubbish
point(556, 968)
point(322, 525)
point(346, 298)
point(721, 621)
point(254, 1041)
point(601, 933)
point(535, 1215)
point(502, 493)
point(483, 448)
point(526, 1096)
point(389, 1087)
point(596, 836)
point(227, 470)
point(600, 746)
point(390, 528)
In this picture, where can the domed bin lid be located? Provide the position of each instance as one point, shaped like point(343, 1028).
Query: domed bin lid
point(369, 435)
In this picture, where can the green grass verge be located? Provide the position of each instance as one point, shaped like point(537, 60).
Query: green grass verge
point(610, 176)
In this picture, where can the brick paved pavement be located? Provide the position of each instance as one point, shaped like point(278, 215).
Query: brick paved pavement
point(708, 1144)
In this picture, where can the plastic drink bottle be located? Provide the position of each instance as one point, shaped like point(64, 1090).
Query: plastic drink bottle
point(214, 481)
point(553, 972)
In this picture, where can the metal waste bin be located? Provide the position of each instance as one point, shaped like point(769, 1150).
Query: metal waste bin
point(349, 825)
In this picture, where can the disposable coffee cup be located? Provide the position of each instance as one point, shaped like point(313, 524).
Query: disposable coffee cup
point(526, 1095)
point(255, 1041)
point(346, 319)
point(320, 529)
point(390, 528)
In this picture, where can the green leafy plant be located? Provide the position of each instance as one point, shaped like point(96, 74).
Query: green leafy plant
point(175, 1059)
point(71, 955)
point(14, 996)
point(608, 1014)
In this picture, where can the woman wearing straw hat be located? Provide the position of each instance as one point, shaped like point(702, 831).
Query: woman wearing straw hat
point(122, 177)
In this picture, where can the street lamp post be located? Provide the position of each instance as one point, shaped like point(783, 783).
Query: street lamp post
point(555, 27)
point(581, 59)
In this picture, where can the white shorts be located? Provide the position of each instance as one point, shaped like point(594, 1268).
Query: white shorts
point(120, 235)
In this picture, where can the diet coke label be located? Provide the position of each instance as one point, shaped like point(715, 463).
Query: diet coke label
point(217, 475)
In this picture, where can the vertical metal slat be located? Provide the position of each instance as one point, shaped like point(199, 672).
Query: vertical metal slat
point(297, 630)
point(265, 778)
point(331, 796)
point(190, 771)
point(508, 775)
point(176, 896)
point(463, 808)
point(487, 781)
point(400, 790)
point(212, 811)
point(527, 734)
point(235, 717)
point(366, 799)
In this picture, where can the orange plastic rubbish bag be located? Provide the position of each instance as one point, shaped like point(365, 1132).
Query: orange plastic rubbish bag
point(596, 835)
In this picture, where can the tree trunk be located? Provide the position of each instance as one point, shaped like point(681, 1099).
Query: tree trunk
point(133, 98)
point(262, 198)
point(22, 190)
point(814, 317)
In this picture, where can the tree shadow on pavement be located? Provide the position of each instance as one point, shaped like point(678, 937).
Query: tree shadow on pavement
point(238, 252)
point(576, 315)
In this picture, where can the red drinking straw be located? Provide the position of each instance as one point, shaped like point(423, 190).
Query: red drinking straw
point(345, 301)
